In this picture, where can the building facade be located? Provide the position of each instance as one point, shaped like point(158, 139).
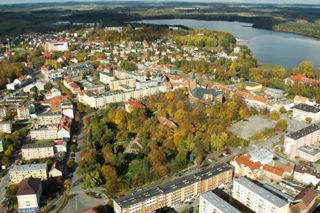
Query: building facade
point(37, 151)
point(18, 173)
point(305, 111)
point(28, 195)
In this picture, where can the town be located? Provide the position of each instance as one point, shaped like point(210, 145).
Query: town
point(154, 119)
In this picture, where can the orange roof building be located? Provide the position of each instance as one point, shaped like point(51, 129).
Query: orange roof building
point(244, 166)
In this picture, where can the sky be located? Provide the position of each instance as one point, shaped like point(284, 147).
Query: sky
point(235, 1)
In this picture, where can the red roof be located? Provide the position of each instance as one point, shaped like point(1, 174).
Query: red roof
point(136, 104)
point(297, 77)
point(274, 170)
point(246, 161)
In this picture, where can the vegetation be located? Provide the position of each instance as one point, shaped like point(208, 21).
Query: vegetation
point(201, 129)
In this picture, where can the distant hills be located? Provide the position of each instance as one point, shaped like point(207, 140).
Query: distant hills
point(213, 1)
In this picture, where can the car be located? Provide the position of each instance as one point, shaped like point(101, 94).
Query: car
point(72, 155)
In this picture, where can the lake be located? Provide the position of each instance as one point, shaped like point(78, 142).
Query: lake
point(269, 47)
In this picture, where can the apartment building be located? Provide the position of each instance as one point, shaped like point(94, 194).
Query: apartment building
point(23, 113)
point(20, 172)
point(49, 118)
point(306, 175)
point(304, 111)
point(309, 153)
point(119, 84)
point(211, 202)
point(37, 151)
point(56, 46)
point(29, 194)
point(176, 192)
point(46, 132)
point(245, 166)
point(258, 198)
point(306, 136)
point(6, 127)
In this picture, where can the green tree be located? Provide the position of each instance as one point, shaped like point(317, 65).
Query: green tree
point(281, 125)
point(91, 180)
point(274, 115)
point(218, 141)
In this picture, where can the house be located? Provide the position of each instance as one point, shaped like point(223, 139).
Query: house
point(56, 46)
point(244, 166)
point(306, 175)
point(54, 103)
point(273, 173)
point(54, 92)
point(131, 105)
point(19, 172)
point(19, 82)
point(1, 146)
point(56, 170)
point(44, 132)
point(37, 151)
point(252, 86)
point(304, 201)
point(309, 153)
point(300, 79)
point(3, 112)
point(6, 127)
point(64, 128)
point(23, 113)
point(60, 145)
point(207, 94)
point(48, 118)
point(274, 93)
point(67, 108)
point(304, 111)
point(28, 195)
point(305, 136)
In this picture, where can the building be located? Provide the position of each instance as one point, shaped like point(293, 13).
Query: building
point(54, 92)
point(131, 105)
point(244, 166)
point(56, 170)
point(64, 128)
point(37, 151)
point(1, 146)
point(49, 118)
point(28, 195)
point(56, 46)
point(44, 132)
point(309, 153)
point(300, 79)
point(23, 113)
point(306, 136)
point(304, 111)
point(6, 127)
point(252, 86)
point(273, 173)
point(206, 94)
point(60, 145)
point(175, 192)
point(261, 155)
point(19, 82)
point(274, 93)
point(258, 198)
point(304, 201)
point(306, 175)
point(3, 112)
point(18, 173)
point(67, 108)
point(211, 202)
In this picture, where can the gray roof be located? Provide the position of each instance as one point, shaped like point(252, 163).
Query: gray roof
point(309, 150)
point(171, 186)
point(251, 83)
point(303, 132)
point(261, 192)
point(27, 167)
point(34, 145)
point(306, 108)
point(200, 92)
point(219, 203)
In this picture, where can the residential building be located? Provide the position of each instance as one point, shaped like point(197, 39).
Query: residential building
point(49, 118)
point(274, 93)
point(1, 146)
point(261, 155)
point(131, 105)
point(44, 132)
point(258, 198)
point(37, 151)
point(175, 192)
point(3, 112)
point(306, 175)
point(146, 84)
point(6, 127)
point(211, 202)
point(306, 136)
point(56, 46)
point(60, 145)
point(300, 79)
point(304, 201)
point(56, 170)
point(20, 172)
point(244, 166)
point(252, 86)
point(119, 84)
point(23, 113)
point(309, 153)
point(64, 128)
point(273, 173)
point(19, 82)
point(206, 94)
point(54, 92)
point(304, 111)
point(67, 108)
point(106, 77)
point(28, 195)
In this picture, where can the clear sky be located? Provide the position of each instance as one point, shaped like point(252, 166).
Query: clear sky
point(236, 1)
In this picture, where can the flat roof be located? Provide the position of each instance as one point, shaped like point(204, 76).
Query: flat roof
point(306, 108)
point(260, 191)
point(27, 167)
point(309, 150)
point(219, 203)
point(303, 132)
point(37, 145)
point(141, 195)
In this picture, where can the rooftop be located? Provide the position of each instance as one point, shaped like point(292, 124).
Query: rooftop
point(171, 186)
point(303, 132)
point(309, 150)
point(35, 145)
point(29, 186)
point(27, 167)
point(219, 203)
point(261, 192)
point(306, 108)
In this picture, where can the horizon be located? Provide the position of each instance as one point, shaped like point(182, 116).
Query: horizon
point(310, 2)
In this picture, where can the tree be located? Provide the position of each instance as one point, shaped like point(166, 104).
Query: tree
point(308, 120)
point(67, 185)
point(111, 178)
point(218, 141)
point(281, 125)
point(305, 67)
point(70, 163)
point(274, 115)
point(91, 180)
point(73, 147)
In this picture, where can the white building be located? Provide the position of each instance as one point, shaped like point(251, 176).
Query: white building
point(211, 202)
point(53, 93)
point(6, 127)
point(56, 46)
point(309, 153)
point(60, 145)
point(20, 172)
point(304, 111)
point(37, 151)
point(28, 195)
point(258, 198)
point(306, 175)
